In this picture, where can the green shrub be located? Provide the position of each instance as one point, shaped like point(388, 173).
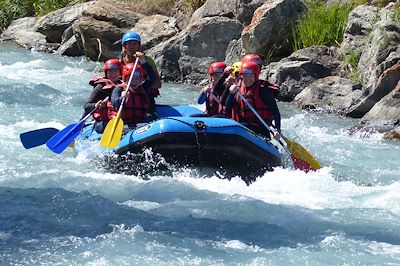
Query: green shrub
point(396, 13)
point(322, 25)
point(192, 5)
point(352, 58)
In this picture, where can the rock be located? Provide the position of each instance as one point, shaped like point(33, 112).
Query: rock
point(155, 29)
point(100, 28)
point(241, 10)
point(21, 24)
point(379, 76)
point(187, 56)
point(70, 48)
point(386, 111)
point(270, 27)
point(359, 25)
point(55, 23)
point(301, 68)
point(332, 94)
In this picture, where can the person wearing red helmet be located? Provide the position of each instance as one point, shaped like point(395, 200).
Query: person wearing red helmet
point(259, 96)
point(102, 88)
point(256, 59)
point(212, 93)
point(136, 104)
point(131, 44)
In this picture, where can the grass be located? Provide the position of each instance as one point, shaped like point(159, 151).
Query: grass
point(352, 58)
point(396, 13)
point(322, 25)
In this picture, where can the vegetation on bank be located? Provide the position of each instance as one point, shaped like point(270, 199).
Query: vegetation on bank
point(322, 25)
point(396, 13)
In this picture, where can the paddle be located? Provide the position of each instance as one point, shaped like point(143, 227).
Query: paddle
point(37, 137)
point(113, 132)
point(301, 158)
point(60, 141)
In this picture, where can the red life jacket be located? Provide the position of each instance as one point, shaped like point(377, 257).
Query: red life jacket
point(104, 114)
point(135, 107)
point(154, 90)
point(242, 113)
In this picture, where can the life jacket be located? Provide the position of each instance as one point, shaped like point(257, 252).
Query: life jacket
point(135, 106)
point(242, 113)
point(213, 104)
point(154, 90)
point(104, 114)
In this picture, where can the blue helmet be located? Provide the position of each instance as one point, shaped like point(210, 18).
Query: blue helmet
point(131, 36)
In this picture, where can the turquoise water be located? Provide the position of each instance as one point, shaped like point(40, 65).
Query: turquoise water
point(65, 210)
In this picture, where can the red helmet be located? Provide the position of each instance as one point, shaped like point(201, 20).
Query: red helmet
point(250, 68)
point(112, 64)
point(216, 67)
point(128, 70)
point(252, 58)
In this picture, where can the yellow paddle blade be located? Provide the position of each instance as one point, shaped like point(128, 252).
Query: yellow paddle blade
point(301, 153)
point(72, 144)
point(112, 133)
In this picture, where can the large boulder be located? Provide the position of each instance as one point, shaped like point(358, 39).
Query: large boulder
point(155, 29)
point(359, 25)
point(300, 69)
point(332, 94)
point(187, 56)
point(241, 10)
point(378, 72)
point(100, 28)
point(21, 24)
point(55, 23)
point(271, 26)
point(386, 111)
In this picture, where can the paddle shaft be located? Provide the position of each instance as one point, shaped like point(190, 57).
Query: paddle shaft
point(262, 120)
point(127, 88)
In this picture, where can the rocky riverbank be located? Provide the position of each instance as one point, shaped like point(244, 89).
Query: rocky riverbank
point(316, 78)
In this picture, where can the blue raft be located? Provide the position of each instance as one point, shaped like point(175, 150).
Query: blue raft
point(185, 135)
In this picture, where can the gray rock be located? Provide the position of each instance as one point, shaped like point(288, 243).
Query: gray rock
point(301, 68)
point(55, 23)
point(270, 27)
point(331, 94)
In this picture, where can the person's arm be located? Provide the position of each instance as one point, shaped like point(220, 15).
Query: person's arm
point(151, 76)
point(268, 98)
point(116, 98)
point(94, 97)
point(220, 85)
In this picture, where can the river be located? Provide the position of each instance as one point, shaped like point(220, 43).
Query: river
point(66, 210)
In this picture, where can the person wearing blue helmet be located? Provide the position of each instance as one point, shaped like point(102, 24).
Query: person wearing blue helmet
point(131, 45)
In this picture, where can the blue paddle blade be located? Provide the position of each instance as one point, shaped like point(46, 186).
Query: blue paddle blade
point(60, 141)
point(37, 137)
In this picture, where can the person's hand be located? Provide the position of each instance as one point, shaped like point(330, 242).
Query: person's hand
point(229, 80)
point(276, 135)
point(228, 70)
point(233, 89)
point(123, 93)
point(206, 89)
point(141, 57)
point(100, 104)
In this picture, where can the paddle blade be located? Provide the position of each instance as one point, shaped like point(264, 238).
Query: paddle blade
point(59, 142)
point(112, 133)
point(302, 159)
point(37, 137)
